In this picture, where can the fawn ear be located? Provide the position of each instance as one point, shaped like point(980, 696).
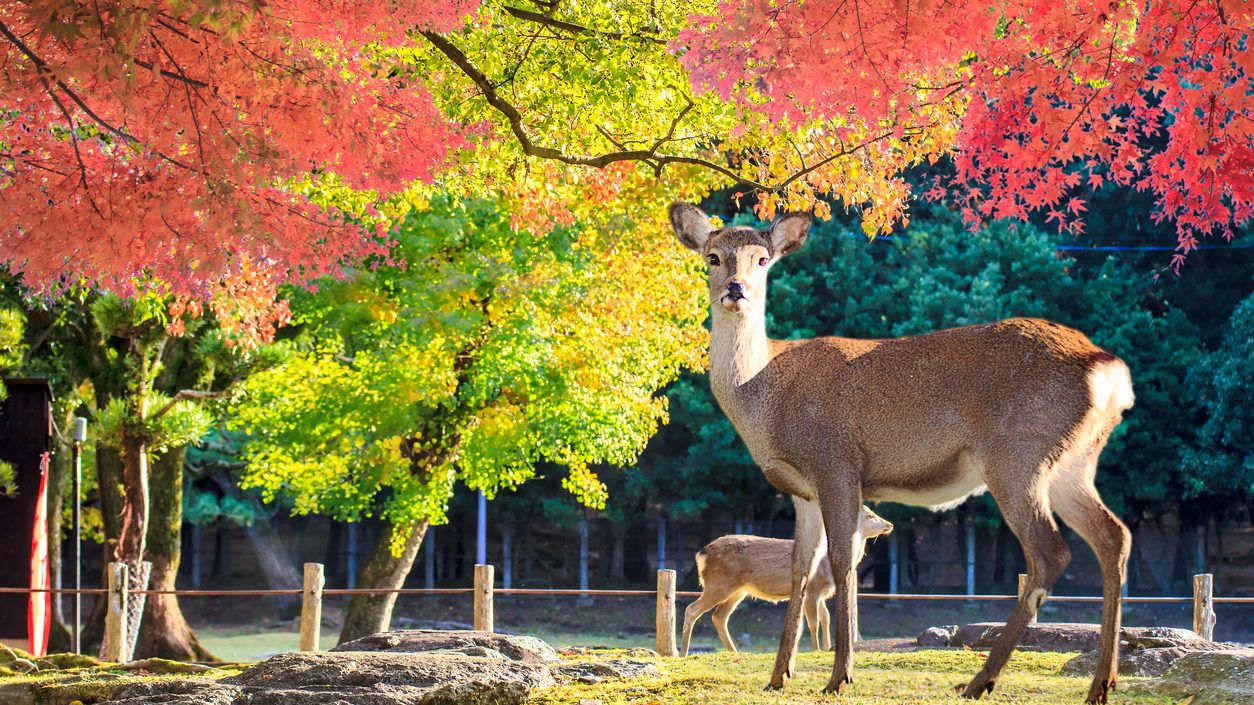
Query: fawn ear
point(692, 227)
point(788, 233)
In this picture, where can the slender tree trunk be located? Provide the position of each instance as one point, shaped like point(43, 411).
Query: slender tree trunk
point(276, 565)
point(59, 638)
point(371, 614)
point(618, 552)
point(109, 480)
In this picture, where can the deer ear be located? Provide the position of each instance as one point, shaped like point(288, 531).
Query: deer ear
point(788, 233)
point(692, 227)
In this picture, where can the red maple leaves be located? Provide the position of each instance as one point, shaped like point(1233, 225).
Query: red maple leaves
point(1157, 96)
point(153, 140)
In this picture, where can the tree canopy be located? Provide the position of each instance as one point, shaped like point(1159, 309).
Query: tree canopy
point(194, 143)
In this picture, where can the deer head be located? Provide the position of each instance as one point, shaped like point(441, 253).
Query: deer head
point(738, 257)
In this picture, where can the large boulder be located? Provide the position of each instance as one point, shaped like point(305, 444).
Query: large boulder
point(413, 667)
point(465, 642)
point(1208, 677)
point(355, 678)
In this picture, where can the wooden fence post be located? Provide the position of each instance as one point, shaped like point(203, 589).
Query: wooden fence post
point(666, 613)
point(113, 646)
point(1023, 585)
point(484, 577)
point(311, 607)
point(1204, 606)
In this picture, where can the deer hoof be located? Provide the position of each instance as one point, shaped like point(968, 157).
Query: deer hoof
point(1099, 692)
point(973, 690)
point(836, 685)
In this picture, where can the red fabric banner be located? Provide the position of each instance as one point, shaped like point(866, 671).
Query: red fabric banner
point(39, 615)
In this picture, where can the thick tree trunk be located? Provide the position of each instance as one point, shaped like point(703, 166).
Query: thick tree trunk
point(164, 632)
point(371, 614)
point(133, 533)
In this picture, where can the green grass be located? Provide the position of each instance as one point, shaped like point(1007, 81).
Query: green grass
point(918, 678)
point(247, 645)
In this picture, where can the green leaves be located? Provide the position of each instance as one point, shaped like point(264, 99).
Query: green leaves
point(485, 351)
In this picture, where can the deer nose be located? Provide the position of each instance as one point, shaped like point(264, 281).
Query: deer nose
point(736, 290)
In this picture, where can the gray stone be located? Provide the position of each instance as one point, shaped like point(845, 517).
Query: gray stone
point(1063, 636)
point(516, 648)
point(936, 636)
point(355, 678)
point(1153, 661)
point(1208, 677)
point(612, 668)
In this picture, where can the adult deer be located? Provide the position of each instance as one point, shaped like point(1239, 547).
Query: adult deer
point(1020, 408)
point(734, 567)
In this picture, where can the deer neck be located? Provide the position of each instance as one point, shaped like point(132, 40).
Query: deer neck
point(739, 348)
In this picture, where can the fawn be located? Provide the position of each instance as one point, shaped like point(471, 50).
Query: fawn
point(734, 567)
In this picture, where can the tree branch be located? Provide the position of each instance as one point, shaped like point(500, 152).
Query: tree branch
point(183, 396)
point(537, 18)
point(530, 148)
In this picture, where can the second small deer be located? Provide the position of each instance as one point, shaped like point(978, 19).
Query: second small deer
point(732, 568)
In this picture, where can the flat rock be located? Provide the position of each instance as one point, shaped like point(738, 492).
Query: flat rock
point(611, 668)
point(1208, 677)
point(1064, 636)
point(1153, 661)
point(355, 678)
point(409, 641)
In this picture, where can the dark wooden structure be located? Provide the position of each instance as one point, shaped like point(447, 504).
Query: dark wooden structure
point(25, 435)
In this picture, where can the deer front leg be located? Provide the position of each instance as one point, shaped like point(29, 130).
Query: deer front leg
point(841, 509)
point(806, 547)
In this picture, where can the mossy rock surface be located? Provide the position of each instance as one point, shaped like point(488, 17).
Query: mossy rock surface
point(1208, 678)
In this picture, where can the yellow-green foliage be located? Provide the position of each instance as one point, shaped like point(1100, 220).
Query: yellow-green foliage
point(490, 350)
point(918, 678)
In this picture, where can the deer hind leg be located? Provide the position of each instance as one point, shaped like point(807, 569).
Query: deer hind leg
point(812, 616)
point(1024, 503)
point(721, 614)
point(806, 547)
point(825, 624)
point(1075, 498)
point(709, 600)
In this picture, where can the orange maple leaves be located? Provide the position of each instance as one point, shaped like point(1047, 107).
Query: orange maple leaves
point(154, 140)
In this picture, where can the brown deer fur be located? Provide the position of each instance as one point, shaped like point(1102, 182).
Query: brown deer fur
point(1020, 407)
point(732, 568)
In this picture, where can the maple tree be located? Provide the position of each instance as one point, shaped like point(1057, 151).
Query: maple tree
point(155, 140)
point(1154, 96)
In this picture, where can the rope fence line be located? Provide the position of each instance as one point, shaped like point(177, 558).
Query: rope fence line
point(555, 592)
point(484, 590)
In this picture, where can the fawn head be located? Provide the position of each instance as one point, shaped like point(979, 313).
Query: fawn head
point(738, 257)
point(871, 525)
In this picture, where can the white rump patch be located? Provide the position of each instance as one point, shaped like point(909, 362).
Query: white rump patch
point(1110, 387)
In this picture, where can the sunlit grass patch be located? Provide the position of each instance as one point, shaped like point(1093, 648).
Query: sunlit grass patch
point(921, 677)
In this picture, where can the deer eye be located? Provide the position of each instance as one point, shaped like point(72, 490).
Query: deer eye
point(762, 262)
point(712, 259)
